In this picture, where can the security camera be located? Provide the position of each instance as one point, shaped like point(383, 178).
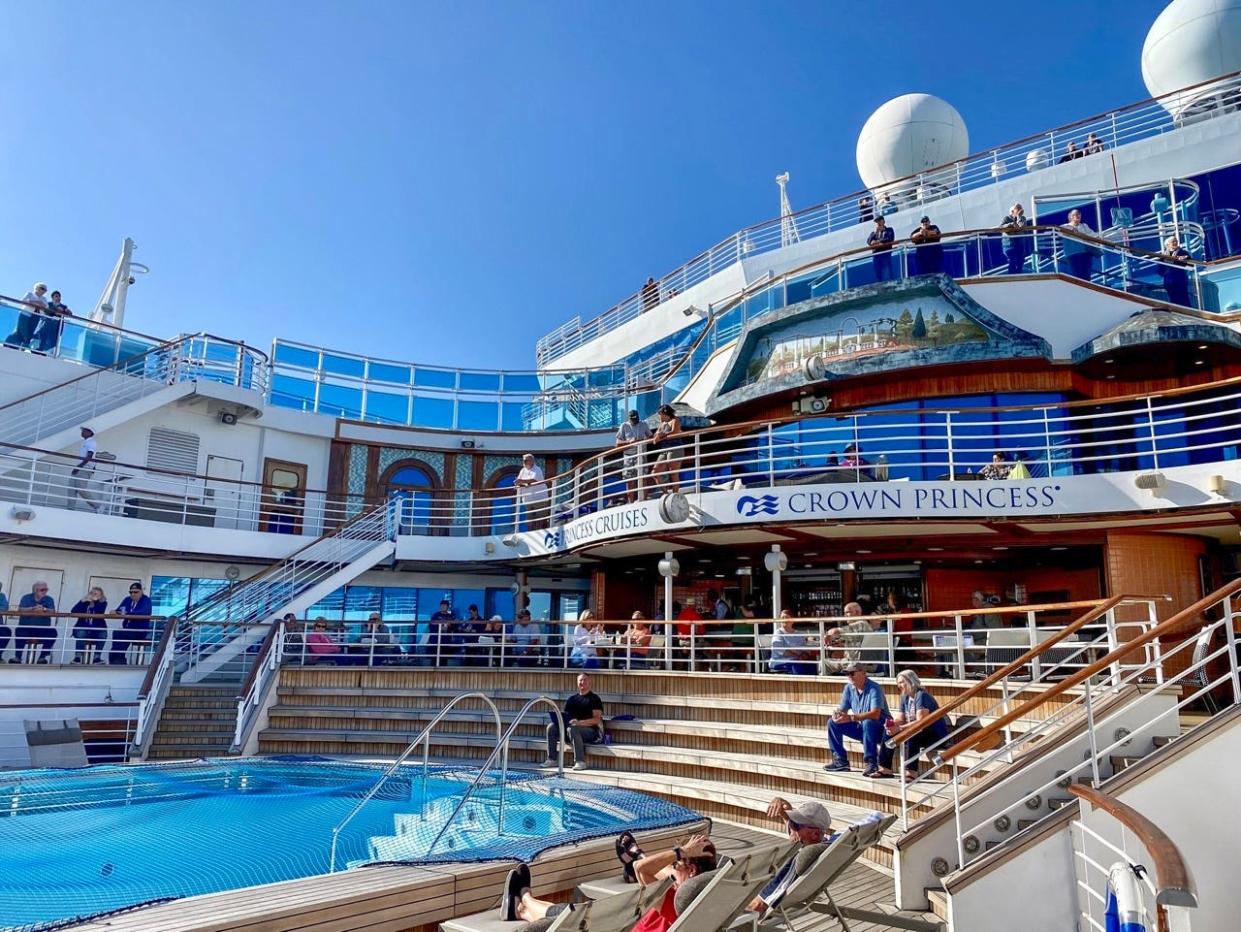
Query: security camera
point(132, 279)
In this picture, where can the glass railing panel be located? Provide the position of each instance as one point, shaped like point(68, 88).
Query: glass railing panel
point(480, 381)
point(433, 412)
point(387, 407)
point(389, 373)
point(344, 365)
point(340, 400)
point(521, 382)
point(429, 377)
point(299, 356)
point(291, 392)
point(513, 417)
point(478, 415)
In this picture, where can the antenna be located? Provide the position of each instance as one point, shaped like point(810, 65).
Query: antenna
point(111, 303)
point(788, 226)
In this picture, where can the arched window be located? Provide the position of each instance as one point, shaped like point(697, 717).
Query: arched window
point(414, 488)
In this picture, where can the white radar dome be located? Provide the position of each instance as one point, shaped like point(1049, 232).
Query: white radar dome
point(1190, 42)
point(908, 135)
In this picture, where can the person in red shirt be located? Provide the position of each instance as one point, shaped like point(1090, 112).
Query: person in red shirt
point(696, 856)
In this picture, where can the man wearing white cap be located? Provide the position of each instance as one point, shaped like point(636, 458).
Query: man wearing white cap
point(80, 479)
point(809, 823)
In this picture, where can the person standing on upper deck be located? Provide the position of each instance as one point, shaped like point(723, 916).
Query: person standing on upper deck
point(1080, 255)
point(532, 493)
point(1017, 240)
point(880, 242)
point(28, 318)
point(1175, 276)
point(630, 438)
point(929, 253)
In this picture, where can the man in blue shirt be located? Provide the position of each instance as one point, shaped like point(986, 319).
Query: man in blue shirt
point(35, 624)
point(133, 630)
point(445, 641)
point(880, 242)
point(860, 715)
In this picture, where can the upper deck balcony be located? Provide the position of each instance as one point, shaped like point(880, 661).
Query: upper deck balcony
point(1029, 156)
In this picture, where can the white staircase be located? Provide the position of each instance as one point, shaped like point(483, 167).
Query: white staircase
point(112, 395)
point(219, 634)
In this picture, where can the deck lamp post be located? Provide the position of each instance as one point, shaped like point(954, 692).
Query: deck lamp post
point(776, 562)
point(669, 568)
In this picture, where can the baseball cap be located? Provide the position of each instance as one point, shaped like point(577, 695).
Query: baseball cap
point(925, 220)
point(811, 813)
point(634, 414)
point(496, 618)
point(853, 668)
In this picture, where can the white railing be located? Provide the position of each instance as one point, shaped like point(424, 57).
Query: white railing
point(262, 674)
point(42, 478)
point(1119, 127)
point(154, 691)
point(422, 739)
point(186, 359)
point(1010, 798)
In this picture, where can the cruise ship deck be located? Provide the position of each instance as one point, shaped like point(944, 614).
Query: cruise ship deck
point(332, 604)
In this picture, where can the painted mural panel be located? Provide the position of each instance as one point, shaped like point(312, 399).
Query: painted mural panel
point(823, 341)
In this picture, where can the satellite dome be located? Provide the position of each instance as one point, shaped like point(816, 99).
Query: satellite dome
point(1190, 42)
point(908, 135)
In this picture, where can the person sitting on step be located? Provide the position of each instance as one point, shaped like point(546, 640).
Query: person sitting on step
point(582, 720)
point(861, 715)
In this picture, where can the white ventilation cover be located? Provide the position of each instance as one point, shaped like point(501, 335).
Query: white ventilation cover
point(176, 450)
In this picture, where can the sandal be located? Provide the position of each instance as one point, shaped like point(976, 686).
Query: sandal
point(627, 852)
point(882, 775)
point(515, 884)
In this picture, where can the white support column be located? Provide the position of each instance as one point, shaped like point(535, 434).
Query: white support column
point(668, 569)
point(776, 562)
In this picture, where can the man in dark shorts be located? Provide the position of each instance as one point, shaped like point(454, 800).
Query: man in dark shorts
point(583, 724)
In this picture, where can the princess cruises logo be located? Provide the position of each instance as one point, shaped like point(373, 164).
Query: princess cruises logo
point(750, 507)
point(553, 540)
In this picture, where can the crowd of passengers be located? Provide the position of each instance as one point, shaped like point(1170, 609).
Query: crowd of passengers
point(93, 631)
point(862, 715)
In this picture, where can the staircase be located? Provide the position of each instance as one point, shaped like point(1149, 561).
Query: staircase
point(197, 721)
point(117, 393)
point(220, 640)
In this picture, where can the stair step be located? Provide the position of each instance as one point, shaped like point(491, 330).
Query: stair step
point(938, 898)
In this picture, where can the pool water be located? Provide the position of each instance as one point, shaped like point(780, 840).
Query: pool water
point(76, 843)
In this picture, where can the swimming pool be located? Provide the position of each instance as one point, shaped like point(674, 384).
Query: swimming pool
point(77, 843)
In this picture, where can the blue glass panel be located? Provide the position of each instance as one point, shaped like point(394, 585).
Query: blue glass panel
point(514, 417)
point(343, 365)
point(429, 602)
point(392, 409)
point(385, 372)
point(433, 412)
point(480, 381)
point(169, 594)
point(72, 343)
point(411, 476)
point(296, 356)
point(521, 382)
point(329, 607)
point(477, 415)
point(435, 378)
point(292, 393)
point(340, 401)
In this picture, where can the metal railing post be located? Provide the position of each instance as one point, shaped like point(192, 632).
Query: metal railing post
point(697, 462)
point(771, 457)
point(1036, 666)
point(956, 811)
point(1150, 424)
point(1109, 619)
point(952, 467)
point(960, 640)
point(1090, 727)
point(1230, 636)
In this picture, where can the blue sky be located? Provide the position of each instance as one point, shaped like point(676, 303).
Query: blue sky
point(444, 182)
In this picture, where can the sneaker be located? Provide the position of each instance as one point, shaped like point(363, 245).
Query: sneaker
point(837, 766)
point(580, 765)
point(871, 770)
point(549, 762)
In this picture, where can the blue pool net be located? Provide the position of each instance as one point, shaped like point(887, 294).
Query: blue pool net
point(80, 843)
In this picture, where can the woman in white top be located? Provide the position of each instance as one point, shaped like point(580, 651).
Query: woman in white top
point(1080, 255)
point(585, 634)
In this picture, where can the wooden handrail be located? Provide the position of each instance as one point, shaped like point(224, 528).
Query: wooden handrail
point(1036, 651)
point(1120, 653)
point(1174, 885)
point(160, 649)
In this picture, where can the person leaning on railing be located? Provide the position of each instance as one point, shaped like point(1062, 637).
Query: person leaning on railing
point(34, 622)
point(134, 632)
point(90, 631)
point(28, 317)
point(1080, 255)
point(1175, 272)
point(1016, 243)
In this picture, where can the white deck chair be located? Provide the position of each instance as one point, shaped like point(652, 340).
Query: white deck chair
point(615, 913)
point(726, 891)
point(814, 881)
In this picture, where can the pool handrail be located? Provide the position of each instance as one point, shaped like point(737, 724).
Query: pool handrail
point(502, 745)
point(422, 736)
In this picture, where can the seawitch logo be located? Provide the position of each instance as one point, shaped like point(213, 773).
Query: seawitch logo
point(748, 506)
point(553, 540)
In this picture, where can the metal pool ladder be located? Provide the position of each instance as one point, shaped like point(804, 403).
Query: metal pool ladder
point(423, 739)
point(502, 746)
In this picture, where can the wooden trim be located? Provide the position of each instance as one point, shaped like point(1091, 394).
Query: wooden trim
point(1175, 885)
point(1120, 653)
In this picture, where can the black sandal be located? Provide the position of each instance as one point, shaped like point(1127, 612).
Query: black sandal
point(516, 883)
point(627, 852)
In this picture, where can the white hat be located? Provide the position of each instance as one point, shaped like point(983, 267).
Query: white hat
point(811, 813)
point(496, 618)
